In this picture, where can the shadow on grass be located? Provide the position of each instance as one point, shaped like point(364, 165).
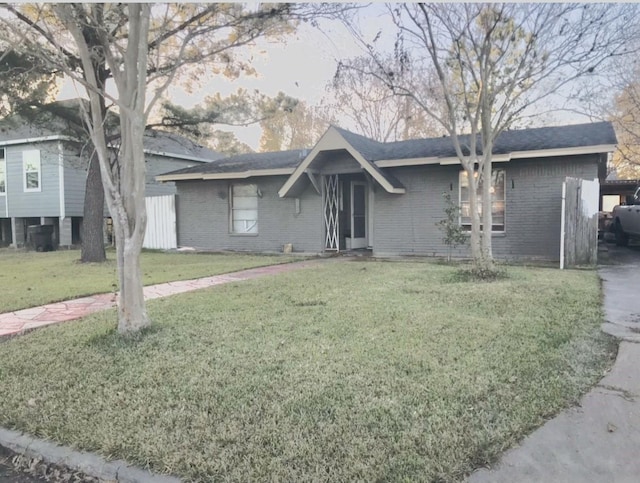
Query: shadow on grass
point(110, 338)
point(472, 274)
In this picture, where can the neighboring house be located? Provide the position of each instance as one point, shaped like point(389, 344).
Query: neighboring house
point(351, 192)
point(43, 169)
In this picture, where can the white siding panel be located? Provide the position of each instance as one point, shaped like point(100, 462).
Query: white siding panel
point(161, 223)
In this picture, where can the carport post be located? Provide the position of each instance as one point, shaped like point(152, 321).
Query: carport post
point(562, 224)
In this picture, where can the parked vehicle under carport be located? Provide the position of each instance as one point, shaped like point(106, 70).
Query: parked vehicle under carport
point(626, 220)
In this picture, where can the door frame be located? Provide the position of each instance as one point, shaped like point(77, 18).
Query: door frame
point(361, 242)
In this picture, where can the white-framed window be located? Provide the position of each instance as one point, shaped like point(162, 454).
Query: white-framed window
point(3, 172)
point(243, 205)
point(31, 173)
point(498, 198)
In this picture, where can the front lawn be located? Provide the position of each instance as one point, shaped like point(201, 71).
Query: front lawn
point(365, 371)
point(29, 279)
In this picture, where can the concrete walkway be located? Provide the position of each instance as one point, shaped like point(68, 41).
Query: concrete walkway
point(15, 323)
point(600, 439)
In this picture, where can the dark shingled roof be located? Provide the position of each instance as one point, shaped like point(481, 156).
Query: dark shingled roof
point(246, 162)
point(49, 121)
point(552, 137)
point(369, 148)
point(170, 143)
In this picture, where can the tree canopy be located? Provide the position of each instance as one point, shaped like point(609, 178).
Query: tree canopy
point(125, 56)
point(492, 64)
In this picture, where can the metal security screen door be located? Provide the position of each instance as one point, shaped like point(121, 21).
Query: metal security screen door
point(331, 218)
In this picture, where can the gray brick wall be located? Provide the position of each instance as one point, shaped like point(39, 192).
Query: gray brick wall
point(534, 205)
point(405, 224)
point(203, 218)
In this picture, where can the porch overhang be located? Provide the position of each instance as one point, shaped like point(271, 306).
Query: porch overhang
point(332, 140)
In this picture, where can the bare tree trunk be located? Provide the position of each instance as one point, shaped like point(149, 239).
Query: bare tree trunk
point(487, 219)
point(474, 242)
point(132, 313)
point(124, 185)
point(131, 205)
point(93, 216)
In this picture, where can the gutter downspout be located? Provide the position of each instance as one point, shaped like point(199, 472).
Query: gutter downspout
point(61, 179)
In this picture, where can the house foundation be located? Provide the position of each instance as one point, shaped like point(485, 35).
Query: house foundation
point(64, 231)
point(6, 235)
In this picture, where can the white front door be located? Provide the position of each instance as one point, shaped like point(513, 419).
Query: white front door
point(359, 214)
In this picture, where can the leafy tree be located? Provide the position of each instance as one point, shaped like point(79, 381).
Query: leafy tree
point(493, 62)
point(626, 120)
point(24, 82)
point(142, 50)
point(453, 234)
point(187, 42)
point(242, 108)
point(227, 143)
point(369, 103)
point(296, 128)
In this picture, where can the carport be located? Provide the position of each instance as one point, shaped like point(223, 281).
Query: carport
point(615, 192)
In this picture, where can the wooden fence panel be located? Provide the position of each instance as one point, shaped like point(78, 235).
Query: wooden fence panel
point(579, 239)
point(161, 223)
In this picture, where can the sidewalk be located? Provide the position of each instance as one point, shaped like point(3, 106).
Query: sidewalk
point(15, 323)
point(599, 440)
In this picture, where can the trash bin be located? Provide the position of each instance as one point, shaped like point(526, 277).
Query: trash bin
point(40, 237)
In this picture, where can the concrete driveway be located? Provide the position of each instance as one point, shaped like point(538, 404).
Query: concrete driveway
point(598, 440)
point(620, 274)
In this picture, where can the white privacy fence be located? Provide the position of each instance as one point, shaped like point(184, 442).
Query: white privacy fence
point(161, 223)
point(579, 224)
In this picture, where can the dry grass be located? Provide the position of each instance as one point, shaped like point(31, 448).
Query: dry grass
point(349, 371)
point(29, 279)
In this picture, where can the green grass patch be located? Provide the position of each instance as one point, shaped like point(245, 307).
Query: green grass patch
point(29, 279)
point(361, 371)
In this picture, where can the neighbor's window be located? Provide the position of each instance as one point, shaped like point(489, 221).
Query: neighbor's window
point(244, 208)
point(31, 169)
point(3, 176)
point(497, 200)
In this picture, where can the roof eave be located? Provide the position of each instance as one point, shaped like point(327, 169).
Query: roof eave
point(540, 153)
point(177, 156)
point(231, 175)
point(40, 139)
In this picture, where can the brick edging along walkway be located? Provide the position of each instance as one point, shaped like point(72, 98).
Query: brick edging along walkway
point(20, 321)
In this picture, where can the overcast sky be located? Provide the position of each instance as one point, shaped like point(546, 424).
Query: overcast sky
point(300, 65)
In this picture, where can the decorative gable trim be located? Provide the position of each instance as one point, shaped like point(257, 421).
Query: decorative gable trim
point(332, 140)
